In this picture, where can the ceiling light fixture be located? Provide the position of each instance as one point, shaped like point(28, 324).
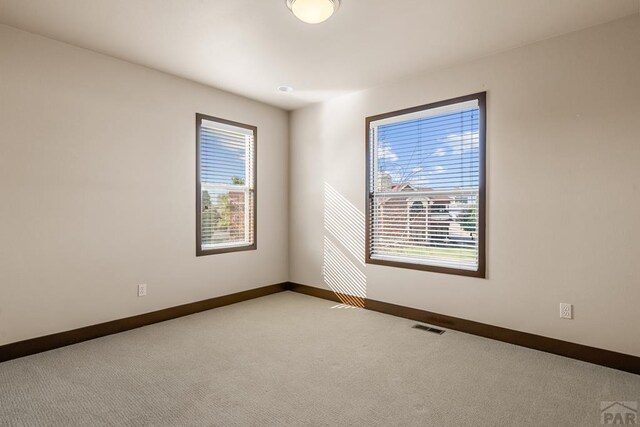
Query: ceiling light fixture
point(313, 11)
point(285, 89)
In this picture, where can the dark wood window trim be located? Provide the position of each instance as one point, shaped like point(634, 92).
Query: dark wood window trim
point(481, 272)
point(254, 245)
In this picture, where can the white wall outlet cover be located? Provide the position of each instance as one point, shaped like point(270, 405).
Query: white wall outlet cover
point(566, 311)
point(142, 290)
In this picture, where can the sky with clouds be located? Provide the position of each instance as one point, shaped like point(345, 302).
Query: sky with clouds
point(222, 156)
point(438, 152)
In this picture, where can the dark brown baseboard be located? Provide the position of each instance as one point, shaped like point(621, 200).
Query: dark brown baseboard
point(61, 339)
point(598, 356)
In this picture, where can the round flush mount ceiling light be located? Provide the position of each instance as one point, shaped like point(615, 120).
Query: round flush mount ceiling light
point(285, 89)
point(313, 11)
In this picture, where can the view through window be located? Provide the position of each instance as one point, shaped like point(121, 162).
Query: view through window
point(226, 193)
point(425, 205)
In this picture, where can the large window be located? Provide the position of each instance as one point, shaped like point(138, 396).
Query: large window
point(426, 187)
point(225, 186)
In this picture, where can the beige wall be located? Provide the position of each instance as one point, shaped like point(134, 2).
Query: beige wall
point(97, 181)
point(97, 170)
point(563, 190)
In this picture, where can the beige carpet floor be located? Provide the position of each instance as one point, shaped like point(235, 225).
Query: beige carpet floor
point(290, 359)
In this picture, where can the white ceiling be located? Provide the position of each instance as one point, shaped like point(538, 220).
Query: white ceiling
point(250, 47)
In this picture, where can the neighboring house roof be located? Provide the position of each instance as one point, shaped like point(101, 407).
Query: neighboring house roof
point(402, 187)
point(408, 187)
point(438, 198)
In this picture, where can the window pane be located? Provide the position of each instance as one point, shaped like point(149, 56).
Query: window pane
point(223, 157)
point(425, 187)
point(436, 152)
point(224, 217)
point(226, 186)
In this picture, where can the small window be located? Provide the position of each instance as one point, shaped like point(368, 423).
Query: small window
point(225, 186)
point(426, 187)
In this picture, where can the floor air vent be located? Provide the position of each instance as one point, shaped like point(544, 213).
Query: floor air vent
point(429, 329)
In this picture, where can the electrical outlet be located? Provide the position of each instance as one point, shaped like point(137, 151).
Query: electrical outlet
point(566, 311)
point(142, 290)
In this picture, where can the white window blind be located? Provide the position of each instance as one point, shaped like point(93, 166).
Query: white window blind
point(226, 185)
point(424, 187)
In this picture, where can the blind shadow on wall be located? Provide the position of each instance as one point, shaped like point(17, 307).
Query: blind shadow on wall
point(343, 255)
